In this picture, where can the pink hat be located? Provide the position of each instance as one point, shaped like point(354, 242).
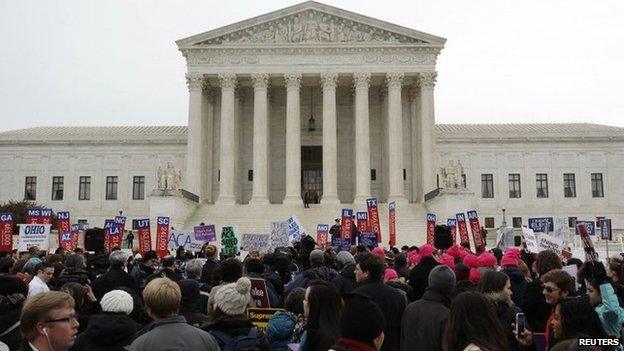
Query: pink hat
point(471, 260)
point(427, 250)
point(509, 260)
point(487, 259)
point(413, 257)
point(447, 260)
point(454, 251)
point(390, 274)
point(378, 251)
point(474, 275)
point(513, 252)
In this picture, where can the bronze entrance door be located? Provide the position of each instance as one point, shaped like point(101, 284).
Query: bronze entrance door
point(312, 173)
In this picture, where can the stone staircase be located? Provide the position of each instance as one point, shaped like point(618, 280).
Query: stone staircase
point(257, 218)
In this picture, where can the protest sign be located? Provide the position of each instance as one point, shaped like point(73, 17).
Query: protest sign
point(34, 235)
point(179, 238)
point(589, 225)
point(530, 239)
point(259, 293)
point(373, 217)
point(63, 226)
point(322, 234)
point(606, 231)
point(590, 253)
point(367, 239)
point(279, 235)
point(75, 233)
point(260, 316)
point(162, 236)
point(121, 222)
point(6, 232)
point(462, 229)
point(346, 225)
point(392, 222)
point(341, 244)
point(431, 222)
point(229, 242)
point(114, 237)
point(548, 242)
point(107, 224)
point(38, 215)
point(541, 225)
point(561, 228)
point(475, 227)
point(504, 238)
point(362, 221)
point(295, 229)
point(255, 242)
point(451, 223)
point(145, 238)
point(206, 233)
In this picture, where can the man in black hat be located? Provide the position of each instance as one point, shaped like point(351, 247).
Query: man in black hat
point(362, 324)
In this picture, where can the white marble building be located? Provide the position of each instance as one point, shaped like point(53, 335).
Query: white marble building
point(315, 97)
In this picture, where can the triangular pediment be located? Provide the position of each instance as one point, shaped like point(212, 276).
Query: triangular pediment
point(310, 23)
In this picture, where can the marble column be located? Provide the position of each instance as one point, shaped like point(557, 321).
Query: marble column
point(362, 137)
point(330, 139)
point(395, 137)
point(227, 139)
point(414, 94)
point(426, 114)
point(260, 139)
point(293, 139)
point(194, 176)
point(207, 167)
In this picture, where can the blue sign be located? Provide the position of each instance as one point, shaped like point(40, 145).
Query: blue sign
point(341, 244)
point(605, 229)
point(590, 225)
point(451, 222)
point(472, 215)
point(542, 225)
point(367, 239)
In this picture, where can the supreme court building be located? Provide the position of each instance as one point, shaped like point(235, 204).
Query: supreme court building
point(316, 100)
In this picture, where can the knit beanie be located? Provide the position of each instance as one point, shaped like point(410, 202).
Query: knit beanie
point(378, 251)
point(475, 275)
point(232, 299)
point(454, 251)
point(427, 250)
point(442, 279)
point(487, 259)
point(509, 260)
point(390, 274)
point(117, 301)
point(462, 272)
point(471, 261)
point(361, 319)
point(447, 260)
point(345, 257)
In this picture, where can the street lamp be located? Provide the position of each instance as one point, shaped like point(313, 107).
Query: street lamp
point(504, 224)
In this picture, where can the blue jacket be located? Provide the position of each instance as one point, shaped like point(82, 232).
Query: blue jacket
point(280, 330)
point(610, 313)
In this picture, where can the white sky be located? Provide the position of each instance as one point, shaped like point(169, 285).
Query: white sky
point(113, 62)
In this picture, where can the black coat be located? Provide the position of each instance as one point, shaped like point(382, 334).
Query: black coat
point(419, 276)
point(114, 278)
point(345, 282)
point(207, 271)
point(424, 322)
point(234, 326)
point(506, 312)
point(535, 307)
point(12, 338)
point(518, 284)
point(107, 332)
point(392, 304)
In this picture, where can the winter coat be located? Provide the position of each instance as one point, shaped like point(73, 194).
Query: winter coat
point(10, 328)
point(207, 270)
point(303, 279)
point(345, 281)
point(518, 284)
point(234, 326)
point(280, 330)
point(345, 344)
point(140, 272)
point(424, 321)
point(535, 307)
point(506, 312)
point(165, 273)
point(71, 275)
point(610, 313)
point(419, 276)
point(114, 278)
point(403, 272)
point(392, 304)
point(107, 332)
point(274, 298)
point(173, 333)
point(406, 288)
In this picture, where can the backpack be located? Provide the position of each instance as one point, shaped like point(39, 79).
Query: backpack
point(243, 342)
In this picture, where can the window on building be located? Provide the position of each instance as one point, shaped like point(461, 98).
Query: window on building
point(138, 188)
point(489, 222)
point(596, 184)
point(437, 181)
point(516, 222)
point(30, 189)
point(404, 174)
point(569, 185)
point(111, 188)
point(250, 175)
point(464, 179)
point(487, 186)
point(84, 188)
point(541, 182)
point(373, 174)
point(572, 222)
point(598, 219)
point(514, 186)
point(57, 188)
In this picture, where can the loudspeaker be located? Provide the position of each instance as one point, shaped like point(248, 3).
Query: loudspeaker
point(94, 239)
point(442, 238)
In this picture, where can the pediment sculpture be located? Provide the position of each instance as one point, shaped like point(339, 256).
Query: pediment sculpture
point(168, 177)
point(452, 175)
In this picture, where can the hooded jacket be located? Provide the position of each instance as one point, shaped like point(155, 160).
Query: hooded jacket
point(107, 332)
point(518, 284)
point(419, 276)
point(234, 326)
point(345, 282)
point(610, 313)
point(304, 278)
point(506, 312)
point(280, 330)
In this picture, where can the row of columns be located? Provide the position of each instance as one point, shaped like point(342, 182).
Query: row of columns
point(195, 177)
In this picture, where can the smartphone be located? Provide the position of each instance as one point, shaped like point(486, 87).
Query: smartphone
point(520, 323)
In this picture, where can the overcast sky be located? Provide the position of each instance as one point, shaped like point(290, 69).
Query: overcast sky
point(111, 62)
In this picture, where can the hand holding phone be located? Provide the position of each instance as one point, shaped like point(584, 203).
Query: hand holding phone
point(520, 323)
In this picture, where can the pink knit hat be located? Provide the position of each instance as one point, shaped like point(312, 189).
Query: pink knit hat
point(378, 251)
point(447, 260)
point(471, 260)
point(513, 252)
point(454, 251)
point(474, 275)
point(509, 260)
point(390, 274)
point(487, 259)
point(413, 257)
point(427, 250)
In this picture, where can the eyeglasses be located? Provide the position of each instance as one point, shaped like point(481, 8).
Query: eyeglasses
point(73, 317)
point(549, 290)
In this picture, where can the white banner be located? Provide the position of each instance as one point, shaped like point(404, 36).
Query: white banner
point(279, 234)
point(504, 238)
point(185, 238)
point(562, 230)
point(295, 229)
point(530, 239)
point(547, 242)
point(255, 242)
point(34, 235)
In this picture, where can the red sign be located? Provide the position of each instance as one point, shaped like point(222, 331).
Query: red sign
point(75, 232)
point(462, 228)
point(590, 253)
point(63, 226)
point(162, 236)
point(145, 239)
point(114, 236)
point(477, 236)
point(38, 216)
point(322, 233)
point(373, 217)
point(259, 293)
point(362, 221)
point(6, 232)
point(392, 222)
point(346, 225)
point(431, 223)
point(452, 224)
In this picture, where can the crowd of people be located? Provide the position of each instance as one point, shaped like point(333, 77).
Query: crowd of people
point(363, 299)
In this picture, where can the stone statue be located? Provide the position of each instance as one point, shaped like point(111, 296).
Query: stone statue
point(296, 32)
point(169, 178)
point(452, 175)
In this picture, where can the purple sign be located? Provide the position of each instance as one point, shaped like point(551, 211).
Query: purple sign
point(205, 233)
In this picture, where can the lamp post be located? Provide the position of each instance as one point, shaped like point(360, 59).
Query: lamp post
point(504, 224)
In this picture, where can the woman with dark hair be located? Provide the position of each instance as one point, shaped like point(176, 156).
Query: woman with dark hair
point(229, 271)
point(473, 325)
point(86, 303)
point(322, 306)
point(496, 286)
point(615, 272)
point(575, 316)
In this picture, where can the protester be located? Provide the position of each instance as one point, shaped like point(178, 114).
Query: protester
point(115, 277)
point(169, 330)
point(392, 279)
point(168, 270)
point(13, 293)
point(144, 269)
point(401, 266)
point(424, 320)
point(509, 264)
point(113, 329)
point(44, 272)
point(362, 325)
point(229, 271)
point(369, 272)
point(211, 254)
point(317, 271)
point(419, 275)
point(191, 303)
point(534, 306)
point(322, 307)
point(473, 325)
point(602, 296)
point(75, 271)
point(254, 269)
point(345, 282)
point(48, 322)
point(286, 327)
point(85, 302)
